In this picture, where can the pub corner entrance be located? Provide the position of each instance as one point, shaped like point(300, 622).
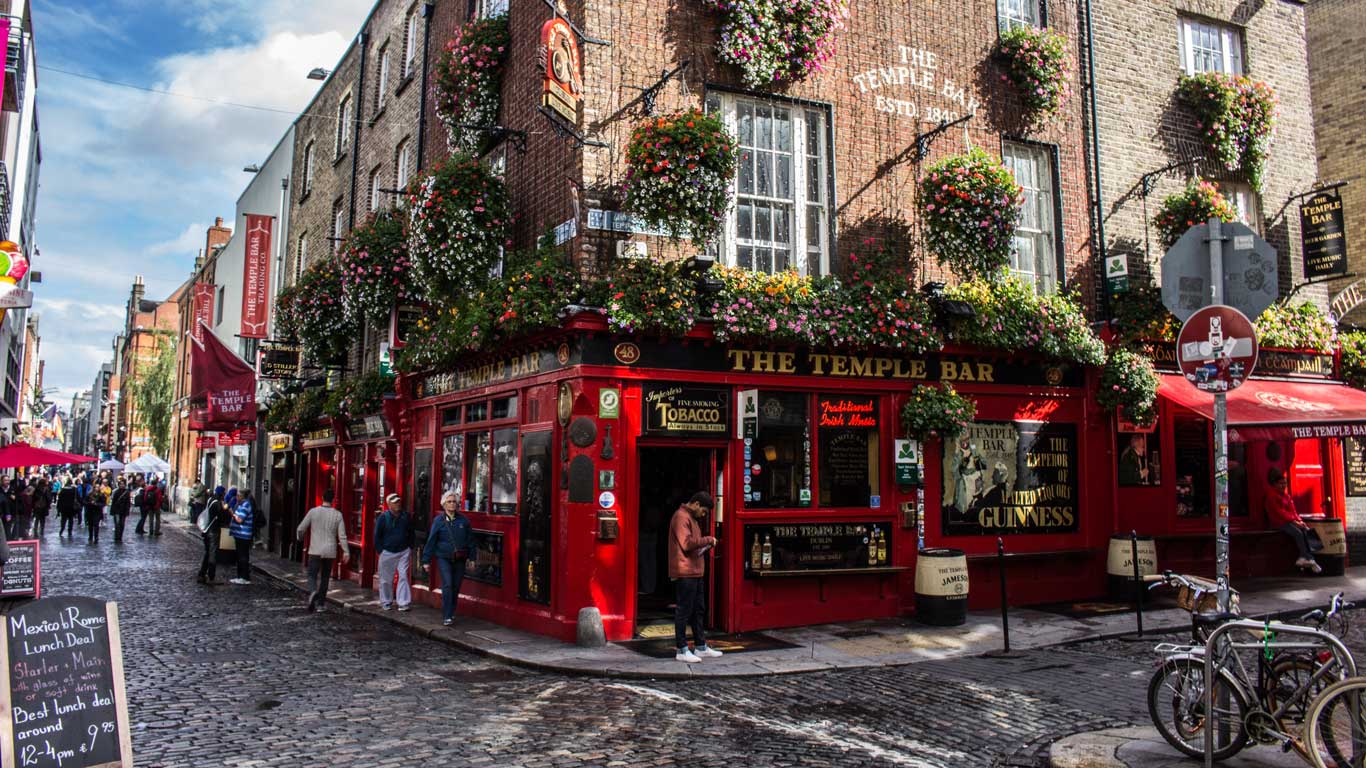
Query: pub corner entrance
point(668, 477)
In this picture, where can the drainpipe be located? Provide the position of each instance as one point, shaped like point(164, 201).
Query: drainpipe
point(427, 10)
point(355, 138)
point(1098, 221)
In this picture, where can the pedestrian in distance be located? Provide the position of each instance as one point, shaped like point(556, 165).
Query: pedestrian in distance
point(687, 546)
point(448, 544)
point(83, 492)
point(67, 504)
point(42, 505)
point(215, 517)
point(242, 531)
point(199, 497)
point(119, 506)
point(94, 513)
point(23, 511)
point(326, 533)
point(394, 537)
point(147, 501)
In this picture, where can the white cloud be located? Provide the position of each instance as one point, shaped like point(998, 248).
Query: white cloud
point(190, 240)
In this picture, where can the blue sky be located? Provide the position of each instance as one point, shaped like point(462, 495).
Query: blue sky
point(130, 179)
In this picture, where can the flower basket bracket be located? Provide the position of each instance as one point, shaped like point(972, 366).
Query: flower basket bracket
point(649, 94)
point(565, 131)
point(924, 140)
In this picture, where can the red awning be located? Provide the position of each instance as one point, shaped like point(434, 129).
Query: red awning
point(25, 455)
point(1278, 410)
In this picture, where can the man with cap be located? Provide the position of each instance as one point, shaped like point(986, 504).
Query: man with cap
point(394, 537)
point(687, 546)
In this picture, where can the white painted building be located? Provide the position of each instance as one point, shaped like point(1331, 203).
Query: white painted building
point(20, 159)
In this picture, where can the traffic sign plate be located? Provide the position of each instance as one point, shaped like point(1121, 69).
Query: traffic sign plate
point(1249, 265)
point(1217, 349)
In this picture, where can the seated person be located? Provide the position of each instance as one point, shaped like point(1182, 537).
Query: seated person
point(1281, 512)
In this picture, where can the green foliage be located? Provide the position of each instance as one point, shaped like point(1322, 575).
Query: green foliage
point(458, 224)
point(1354, 358)
point(678, 173)
point(936, 412)
point(358, 396)
point(1197, 204)
point(467, 81)
point(1035, 61)
point(154, 394)
point(311, 310)
point(1236, 116)
point(1128, 384)
point(296, 412)
point(651, 296)
point(1140, 315)
point(1010, 316)
point(375, 268)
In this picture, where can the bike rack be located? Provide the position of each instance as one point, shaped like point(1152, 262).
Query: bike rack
point(1328, 639)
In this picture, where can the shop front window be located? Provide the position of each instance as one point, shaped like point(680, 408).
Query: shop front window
point(848, 449)
point(1192, 460)
point(505, 471)
point(780, 460)
point(1140, 458)
point(355, 460)
point(477, 472)
point(453, 465)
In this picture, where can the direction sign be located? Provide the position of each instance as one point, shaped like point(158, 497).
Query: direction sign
point(1217, 349)
point(1249, 267)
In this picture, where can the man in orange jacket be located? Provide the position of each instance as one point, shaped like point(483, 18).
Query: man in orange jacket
point(687, 545)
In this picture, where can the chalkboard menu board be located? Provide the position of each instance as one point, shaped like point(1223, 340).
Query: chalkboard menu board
point(1354, 465)
point(21, 575)
point(816, 546)
point(64, 699)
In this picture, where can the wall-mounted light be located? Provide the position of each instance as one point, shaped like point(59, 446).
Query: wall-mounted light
point(318, 73)
point(253, 168)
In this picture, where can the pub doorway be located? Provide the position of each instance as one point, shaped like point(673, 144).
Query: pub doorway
point(669, 476)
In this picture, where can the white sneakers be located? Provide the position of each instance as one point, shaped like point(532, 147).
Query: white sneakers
point(238, 581)
point(1309, 563)
point(690, 656)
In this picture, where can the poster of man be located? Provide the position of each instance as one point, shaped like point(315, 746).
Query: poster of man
point(980, 462)
point(1138, 459)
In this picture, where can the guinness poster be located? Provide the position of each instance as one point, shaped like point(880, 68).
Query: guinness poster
point(675, 410)
point(1004, 477)
point(1323, 236)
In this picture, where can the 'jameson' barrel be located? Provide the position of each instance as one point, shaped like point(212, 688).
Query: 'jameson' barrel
point(1119, 566)
point(941, 587)
point(1333, 557)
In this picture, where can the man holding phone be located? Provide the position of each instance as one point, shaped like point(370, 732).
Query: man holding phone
point(687, 546)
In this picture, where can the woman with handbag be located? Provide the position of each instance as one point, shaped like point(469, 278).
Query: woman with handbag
point(449, 544)
point(1281, 512)
point(210, 526)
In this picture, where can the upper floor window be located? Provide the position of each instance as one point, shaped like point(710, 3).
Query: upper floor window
point(308, 168)
point(1018, 13)
point(780, 217)
point(1243, 200)
point(344, 113)
point(1209, 47)
point(403, 162)
point(382, 86)
point(302, 260)
point(490, 8)
point(410, 43)
point(218, 305)
point(1034, 257)
point(338, 225)
point(373, 203)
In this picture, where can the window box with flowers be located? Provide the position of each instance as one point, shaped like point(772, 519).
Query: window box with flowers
point(1008, 315)
point(679, 170)
point(970, 207)
point(936, 412)
point(1236, 116)
point(1035, 61)
point(778, 41)
point(311, 311)
point(468, 80)
point(1301, 327)
point(457, 228)
point(359, 396)
point(650, 296)
point(375, 269)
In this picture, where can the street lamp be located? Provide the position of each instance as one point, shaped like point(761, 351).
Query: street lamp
point(318, 73)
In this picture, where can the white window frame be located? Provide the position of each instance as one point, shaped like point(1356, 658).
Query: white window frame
point(381, 91)
point(338, 214)
point(1193, 36)
point(490, 8)
point(299, 263)
point(410, 42)
point(308, 168)
point(344, 117)
point(1244, 201)
point(809, 229)
point(1040, 189)
point(1018, 13)
point(401, 164)
point(373, 203)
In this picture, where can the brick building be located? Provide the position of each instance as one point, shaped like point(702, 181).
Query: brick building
point(148, 325)
point(185, 457)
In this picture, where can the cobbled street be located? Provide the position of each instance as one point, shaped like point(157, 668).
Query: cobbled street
point(242, 676)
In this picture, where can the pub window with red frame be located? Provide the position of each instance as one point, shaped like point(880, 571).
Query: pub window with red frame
point(834, 435)
point(479, 462)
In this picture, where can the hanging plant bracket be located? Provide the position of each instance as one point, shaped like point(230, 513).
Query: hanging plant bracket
point(1148, 181)
point(650, 94)
point(582, 35)
point(925, 140)
point(500, 133)
point(569, 132)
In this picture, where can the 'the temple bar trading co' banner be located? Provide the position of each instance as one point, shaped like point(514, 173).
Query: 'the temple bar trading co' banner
point(256, 278)
point(203, 310)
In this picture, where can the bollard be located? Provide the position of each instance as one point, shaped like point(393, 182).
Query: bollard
point(1138, 581)
point(1005, 606)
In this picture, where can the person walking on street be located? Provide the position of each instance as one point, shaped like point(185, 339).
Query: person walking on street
point(326, 533)
point(67, 504)
point(394, 537)
point(146, 503)
point(94, 514)
point(199, 496)
point(215, 517)
point(42, 504)
point(163, 504)
point(687, 545)
point(119, 505)
point(83, 492)
point(449, 544)
point(242, 531)
point(23, 511)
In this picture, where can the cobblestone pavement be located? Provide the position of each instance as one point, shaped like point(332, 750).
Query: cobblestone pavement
point(242, 676)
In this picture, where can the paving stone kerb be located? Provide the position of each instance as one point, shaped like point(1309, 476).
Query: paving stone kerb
point(1143, 747)
point(863, 644)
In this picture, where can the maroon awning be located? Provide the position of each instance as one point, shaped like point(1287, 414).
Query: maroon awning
point(25, 455)
point(1278, 410)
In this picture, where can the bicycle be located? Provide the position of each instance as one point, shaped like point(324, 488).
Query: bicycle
point(1268, 709)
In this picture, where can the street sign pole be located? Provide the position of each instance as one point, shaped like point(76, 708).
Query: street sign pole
point(1216, 270)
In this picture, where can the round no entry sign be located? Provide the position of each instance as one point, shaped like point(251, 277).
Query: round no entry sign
point(1217, 349)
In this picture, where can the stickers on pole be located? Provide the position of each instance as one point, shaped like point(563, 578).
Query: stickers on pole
point(1217, 349)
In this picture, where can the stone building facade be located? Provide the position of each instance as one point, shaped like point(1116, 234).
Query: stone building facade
point(1141, 50)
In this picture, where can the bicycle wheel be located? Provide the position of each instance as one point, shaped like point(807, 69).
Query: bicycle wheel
point(1292, 683)
point(1337, 725)
point(1176, 704)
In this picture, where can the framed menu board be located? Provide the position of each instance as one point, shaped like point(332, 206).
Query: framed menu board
point(1354, 465)
point(21, 575)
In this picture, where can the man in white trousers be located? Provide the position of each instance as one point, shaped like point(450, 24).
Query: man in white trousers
point(394, 537)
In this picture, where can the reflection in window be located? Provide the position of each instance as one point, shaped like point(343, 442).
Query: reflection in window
point(782, 453)
point(847, 427)
point(504, 471)
point(452, 465)
point(505, 407)
point(477, 472)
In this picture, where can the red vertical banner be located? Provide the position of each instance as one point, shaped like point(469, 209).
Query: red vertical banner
point(203, 310)
point(256, 278)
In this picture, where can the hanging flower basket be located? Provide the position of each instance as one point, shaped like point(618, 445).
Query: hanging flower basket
point(1009, 316)
point(375, 269)
point(1200, 202)
point(439, 338)
point(778, 41)
point(1140, 315)
point(457, 227)
point(468, 81)
point(1302, 326)
point(936, 412)
point(537, 286)
point(312, 312)
point(679, 169)
point(1354, 358)
point(1128, 386)
point(359, 396)
point(1236, 116)
point(1035, 61)
point(296, 413)
point(970, 205)
point(651, 296)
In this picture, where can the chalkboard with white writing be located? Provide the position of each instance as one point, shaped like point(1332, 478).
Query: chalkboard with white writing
point(64, 701)
point(20, 575)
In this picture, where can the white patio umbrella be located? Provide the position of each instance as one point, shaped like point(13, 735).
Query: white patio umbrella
point(112, 464)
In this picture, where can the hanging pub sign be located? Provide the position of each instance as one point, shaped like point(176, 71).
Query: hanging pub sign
point(1323, 235)
point(278, 361)
point(563, 86)
point(206, 441)
point(675, 410)
point(1003, 477)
